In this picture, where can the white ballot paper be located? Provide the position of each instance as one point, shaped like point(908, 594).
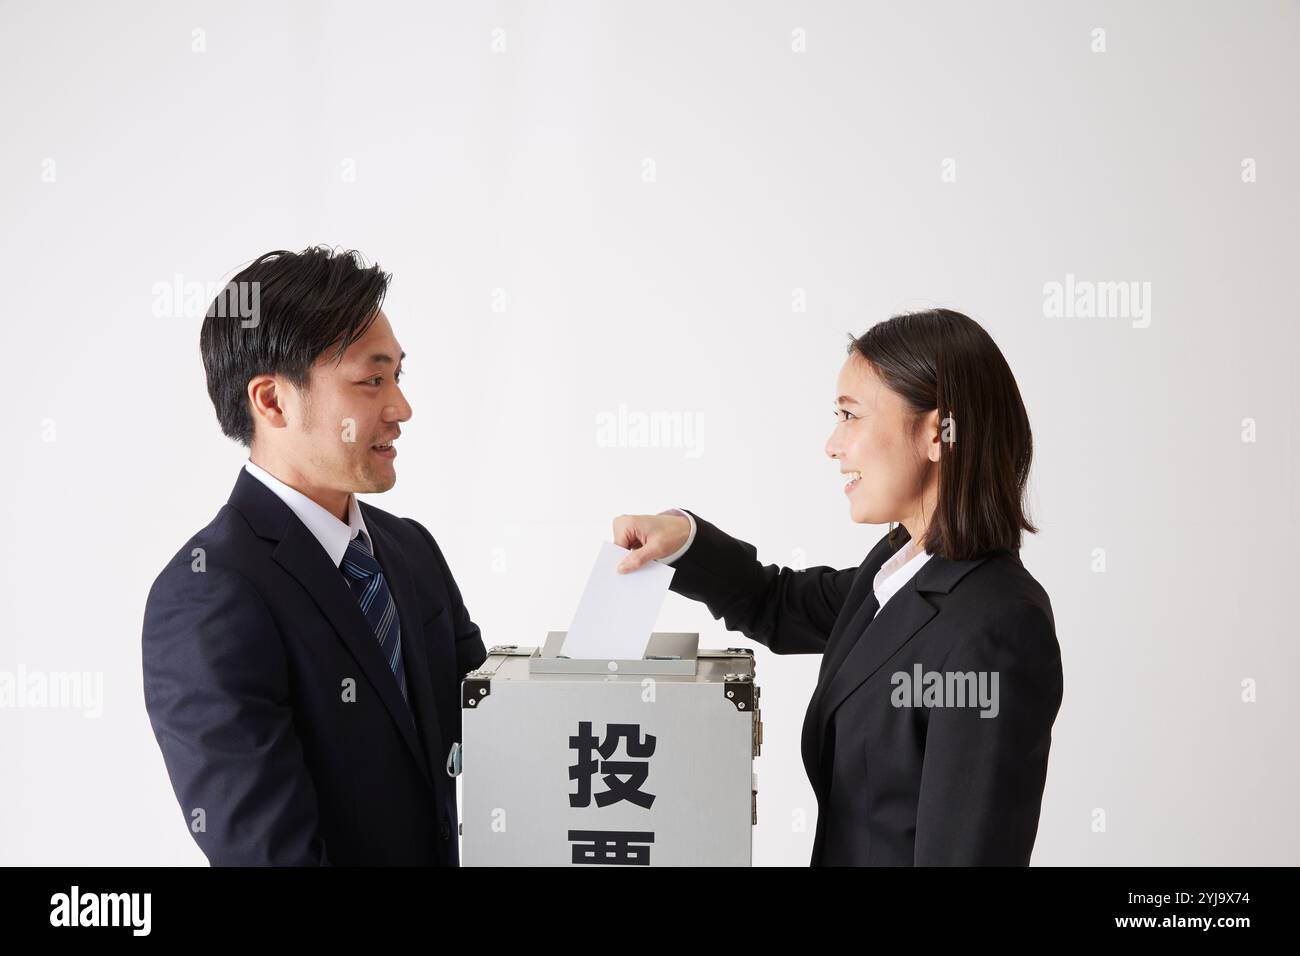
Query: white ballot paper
point(617, 612)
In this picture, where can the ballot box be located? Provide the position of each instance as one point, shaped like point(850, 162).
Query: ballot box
point(609, 763)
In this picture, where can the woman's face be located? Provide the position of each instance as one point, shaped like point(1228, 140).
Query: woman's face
point(888, 459)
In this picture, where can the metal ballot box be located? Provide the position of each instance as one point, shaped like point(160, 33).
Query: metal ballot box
point(631, 763)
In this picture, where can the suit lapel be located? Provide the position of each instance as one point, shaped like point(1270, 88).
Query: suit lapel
point(415, 654)
point(862, 599)
point(843, 643)
point(853, 618)
point(897, 623)
point(301, 555)
point(902, 616)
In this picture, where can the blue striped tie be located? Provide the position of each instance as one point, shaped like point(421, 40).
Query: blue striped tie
point(367, 581)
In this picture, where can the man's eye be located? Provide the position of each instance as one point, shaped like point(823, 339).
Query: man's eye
point(373, 381)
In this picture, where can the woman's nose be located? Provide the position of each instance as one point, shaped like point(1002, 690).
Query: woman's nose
point(833, 446)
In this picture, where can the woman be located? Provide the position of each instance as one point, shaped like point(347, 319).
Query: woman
point(927, 736)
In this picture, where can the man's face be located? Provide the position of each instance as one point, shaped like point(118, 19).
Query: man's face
point(339, 430)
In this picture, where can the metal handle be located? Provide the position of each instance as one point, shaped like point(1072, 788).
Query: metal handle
point(453, 761)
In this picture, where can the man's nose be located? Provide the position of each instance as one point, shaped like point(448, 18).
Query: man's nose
point(400, 410)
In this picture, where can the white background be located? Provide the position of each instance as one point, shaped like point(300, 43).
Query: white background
point(774, 170)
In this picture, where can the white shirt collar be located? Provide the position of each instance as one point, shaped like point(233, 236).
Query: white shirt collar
point(898, 570)
point(333, 535)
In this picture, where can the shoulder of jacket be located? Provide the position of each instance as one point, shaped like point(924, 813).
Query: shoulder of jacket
point(225, 546)
point(1001, 589)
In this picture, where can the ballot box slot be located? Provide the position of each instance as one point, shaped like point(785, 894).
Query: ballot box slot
point(667, 654)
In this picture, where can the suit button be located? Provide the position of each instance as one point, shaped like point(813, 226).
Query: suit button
point(446, 831)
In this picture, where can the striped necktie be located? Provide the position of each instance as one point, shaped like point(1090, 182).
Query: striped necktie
point(367, 582)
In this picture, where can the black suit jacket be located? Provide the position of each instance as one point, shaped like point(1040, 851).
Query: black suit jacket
point(247, 664)
point(904, 785)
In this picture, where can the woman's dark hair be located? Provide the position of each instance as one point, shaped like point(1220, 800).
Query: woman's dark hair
point(940, 359)
point(289, 308)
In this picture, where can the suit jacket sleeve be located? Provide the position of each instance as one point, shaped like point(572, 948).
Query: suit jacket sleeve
point(470, 653)
point(216, 689)
point(982, 778)
point(792, 612)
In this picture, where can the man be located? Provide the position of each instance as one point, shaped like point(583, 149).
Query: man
point(303, 653)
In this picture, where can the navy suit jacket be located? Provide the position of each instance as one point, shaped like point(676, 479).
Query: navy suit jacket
point(899, 785)
point(282, 727)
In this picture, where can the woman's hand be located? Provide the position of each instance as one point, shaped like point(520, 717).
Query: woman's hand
point(649, 537)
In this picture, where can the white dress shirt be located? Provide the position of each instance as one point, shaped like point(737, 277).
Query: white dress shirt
point(690, 538)
point(889, 580)
point(898, 570)
point(334, 536)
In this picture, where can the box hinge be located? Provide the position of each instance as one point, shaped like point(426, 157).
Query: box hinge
point(739, 689)
point(474, 688)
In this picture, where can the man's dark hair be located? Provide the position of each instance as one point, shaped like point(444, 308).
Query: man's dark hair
point(306, 303)
point(940, 359)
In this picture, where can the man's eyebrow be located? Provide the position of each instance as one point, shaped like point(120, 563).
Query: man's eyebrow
point(381, 357)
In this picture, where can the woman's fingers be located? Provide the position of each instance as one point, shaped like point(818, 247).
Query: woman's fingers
point(633, 532)
point(626, 533)
point(648, 537)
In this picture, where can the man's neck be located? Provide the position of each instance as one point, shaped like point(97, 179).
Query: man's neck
point(333, 501)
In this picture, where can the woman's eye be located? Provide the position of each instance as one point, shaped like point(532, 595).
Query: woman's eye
point(373, 381)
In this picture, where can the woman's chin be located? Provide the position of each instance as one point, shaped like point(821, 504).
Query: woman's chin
point(865, 514)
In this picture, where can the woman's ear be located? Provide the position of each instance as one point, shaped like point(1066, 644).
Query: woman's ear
point(932, 432)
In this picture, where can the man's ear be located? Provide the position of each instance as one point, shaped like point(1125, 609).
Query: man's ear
point(264, 399)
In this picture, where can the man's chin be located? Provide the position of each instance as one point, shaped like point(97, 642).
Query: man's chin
point(377, 484)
